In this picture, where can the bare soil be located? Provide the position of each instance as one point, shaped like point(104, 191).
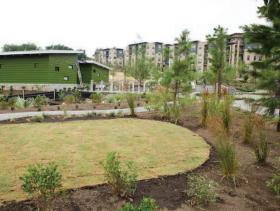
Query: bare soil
point(251, 192)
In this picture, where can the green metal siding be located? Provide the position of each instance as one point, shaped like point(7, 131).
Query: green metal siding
point(94, 72)
point(21, 69)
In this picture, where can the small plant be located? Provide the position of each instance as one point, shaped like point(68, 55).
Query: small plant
point(112, 114)
point(69, 99)
point(4, 105)
point(227, 159)
point(200, 191)
point(122, 181)
point(261, 149)
point(12, 103)
point(38, 118)
point(42, 181)
point(131, 98)
point(40, 101)
point(110, 99)
point(58, 108)
point(76, 106)
point(96, 97)
point(274, 182)
point(147, 204)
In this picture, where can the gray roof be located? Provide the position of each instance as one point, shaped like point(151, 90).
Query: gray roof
point(39, 52)
point(96, 63)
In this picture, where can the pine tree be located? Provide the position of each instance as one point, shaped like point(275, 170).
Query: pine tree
point(268, 36)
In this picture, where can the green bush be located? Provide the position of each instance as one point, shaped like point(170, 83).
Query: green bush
point(131, 98)
point(96, 97)
point(110, 99)
point(261, 148)
point(227, 159)
point(42, 181)
point(274, 182)
point(12, 103)
point(69, 99)
point(200, 191)
point(147, 204)
point(38, 118)
point(40, 101)
point(4, 104)
point(122, 181)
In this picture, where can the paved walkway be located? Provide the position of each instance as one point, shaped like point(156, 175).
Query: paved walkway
point(16, 115)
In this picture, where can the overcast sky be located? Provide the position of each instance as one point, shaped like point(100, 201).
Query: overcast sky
point(91, 24)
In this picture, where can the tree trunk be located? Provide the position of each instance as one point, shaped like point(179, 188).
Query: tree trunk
point(175, 92)
point(278, 124)
point(219, 83)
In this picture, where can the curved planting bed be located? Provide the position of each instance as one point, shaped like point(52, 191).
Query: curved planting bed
point(157, 148)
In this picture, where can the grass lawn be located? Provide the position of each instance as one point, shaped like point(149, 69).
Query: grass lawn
point(157, 148)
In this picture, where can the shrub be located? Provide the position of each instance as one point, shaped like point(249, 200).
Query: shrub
point(110, 99)
point(20, 103)
point(42, 181)
point(147, 204)
point(69, 99)
point(131, 98)
point(227, 159)
point(96, 97)
point(38, 118)
point(200, 191)
point(12, 103)
point(122, 181)
point(40, 101)
point(28, 102)
point(119, 98)
point(274, 182)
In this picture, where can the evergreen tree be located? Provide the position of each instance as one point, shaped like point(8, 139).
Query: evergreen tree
point(58, 47)
point(217, 48)
point(268, 36)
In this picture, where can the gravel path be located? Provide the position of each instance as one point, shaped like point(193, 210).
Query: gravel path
point(15, 115)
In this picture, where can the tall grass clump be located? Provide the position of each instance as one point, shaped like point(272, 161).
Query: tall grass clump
point(227, 159)
point(248, 127)
point(204, 108)
point(122, 180)
point(261, 146)
point(147, 204)
point(96, 97)
point(226, 112)
point(130, 99)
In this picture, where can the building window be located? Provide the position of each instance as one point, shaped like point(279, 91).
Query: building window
point(36, 65)
point(248, 58)
point(66, 78)
point(255, 58)
point(260, 58)
point(70, 66)
point(56, 68)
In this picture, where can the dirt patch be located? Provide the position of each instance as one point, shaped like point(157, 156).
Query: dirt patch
point(251, 192)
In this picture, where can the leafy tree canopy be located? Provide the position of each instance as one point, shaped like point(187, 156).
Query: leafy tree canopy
point(22, 47)
point(58, 47)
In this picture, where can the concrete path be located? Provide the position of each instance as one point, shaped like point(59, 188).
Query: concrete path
point(8, 116)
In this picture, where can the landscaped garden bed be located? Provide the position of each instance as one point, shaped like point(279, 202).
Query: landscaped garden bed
point(251, 191)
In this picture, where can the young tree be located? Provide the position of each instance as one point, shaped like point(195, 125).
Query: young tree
point(178, 76)
point(268, 36)
point(141, 68)
point(217, 49)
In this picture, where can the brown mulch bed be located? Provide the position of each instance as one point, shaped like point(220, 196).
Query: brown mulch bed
point(251, 192)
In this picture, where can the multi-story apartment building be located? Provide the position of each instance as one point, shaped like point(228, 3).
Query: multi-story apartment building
point(110, 56)
point(152, 50)
point(239, 51)
point(198, 49)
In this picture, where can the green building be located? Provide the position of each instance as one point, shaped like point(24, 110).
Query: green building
point(48, 70)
